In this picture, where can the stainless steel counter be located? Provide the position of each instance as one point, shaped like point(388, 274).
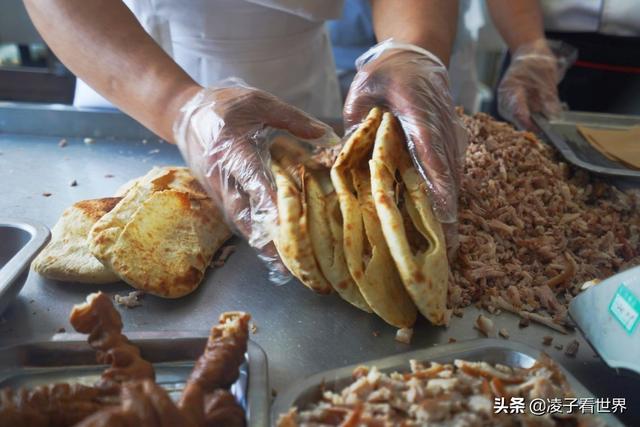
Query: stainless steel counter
point(302, 333)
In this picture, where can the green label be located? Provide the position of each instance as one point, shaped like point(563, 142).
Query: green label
point(625, 308)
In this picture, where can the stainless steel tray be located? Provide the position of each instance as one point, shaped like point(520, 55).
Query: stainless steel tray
point(20, 242)
point(506, 352)
point(68, 358)
point(564, 135)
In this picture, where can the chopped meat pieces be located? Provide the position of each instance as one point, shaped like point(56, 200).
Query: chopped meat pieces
point(224, 254)
point(452, 394)
point(547, 340)
point(503, 333)
point(131, 300)
point(533, 230)
point(524, 322)
point(484, 325)
point(572, 348)
point(404, 335)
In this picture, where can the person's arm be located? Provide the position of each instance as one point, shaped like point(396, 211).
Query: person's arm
point(430, 24)
point(518, 22)
point(529, 85)
point(102, 42)
point(219, 130)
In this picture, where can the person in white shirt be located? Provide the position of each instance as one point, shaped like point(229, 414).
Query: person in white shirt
point(166, 63)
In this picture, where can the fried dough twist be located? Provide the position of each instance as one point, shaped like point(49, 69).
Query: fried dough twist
point(98, 318)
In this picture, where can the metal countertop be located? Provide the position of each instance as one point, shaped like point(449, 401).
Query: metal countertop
point(302, 333)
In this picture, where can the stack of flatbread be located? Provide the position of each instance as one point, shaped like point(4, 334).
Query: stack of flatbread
point(158, 235)
point(365, 228)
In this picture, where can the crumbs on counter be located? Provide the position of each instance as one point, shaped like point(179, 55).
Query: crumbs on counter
point(524, 322)
point(109, 175)
point(89, 141)
point(132, 300)
point(484, 325)
point(504, 333)
point(572, 348)
point(46, 194)
point(404, 335)
point(73, 183)
point(62, 143)
point(223, 255)
point(547, 340)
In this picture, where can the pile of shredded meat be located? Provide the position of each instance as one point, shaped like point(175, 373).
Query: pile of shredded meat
point(462, 393)
point(533, 230)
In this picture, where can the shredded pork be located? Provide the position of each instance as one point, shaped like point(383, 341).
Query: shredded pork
point(532, 230)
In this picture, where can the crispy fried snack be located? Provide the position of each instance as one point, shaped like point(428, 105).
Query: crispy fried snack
point(127, 394)
point(219, 364)
point(98, 318)
point(221, 409)
point(142, 403)
point(52, 405)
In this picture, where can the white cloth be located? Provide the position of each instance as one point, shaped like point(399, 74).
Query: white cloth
point(280, 46)
point(611, 17)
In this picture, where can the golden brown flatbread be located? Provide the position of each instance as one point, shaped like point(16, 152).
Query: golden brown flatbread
point(161, 236)
point(413, 234)
point(292, 239)
point(325, 230)
point(67, 256)
point(368, 257)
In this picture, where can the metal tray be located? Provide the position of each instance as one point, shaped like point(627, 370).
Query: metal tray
point(563, 134)
point(506, 352)
point(68, 358)
point(20, 242)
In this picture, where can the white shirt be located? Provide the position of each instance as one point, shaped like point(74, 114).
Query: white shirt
point(611, 17)
point(280, 46)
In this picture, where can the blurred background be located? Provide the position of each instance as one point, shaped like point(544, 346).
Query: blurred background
point(30, 72)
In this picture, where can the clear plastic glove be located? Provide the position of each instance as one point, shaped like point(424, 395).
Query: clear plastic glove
point(413, 84)
point(530, 84)
point(224, 134)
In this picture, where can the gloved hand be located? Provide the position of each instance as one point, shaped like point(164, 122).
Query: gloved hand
point(530, 84)
point(224, 134)
point(413, 84)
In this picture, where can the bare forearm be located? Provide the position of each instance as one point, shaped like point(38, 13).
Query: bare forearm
point(519, 22)
point(102, 42)
point(430, 24)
